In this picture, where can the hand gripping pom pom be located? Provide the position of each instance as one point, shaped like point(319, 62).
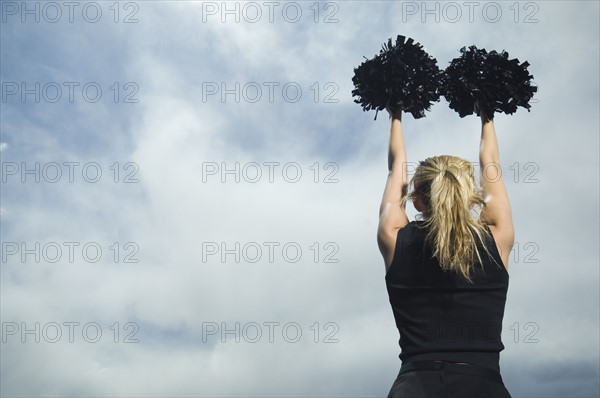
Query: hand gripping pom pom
point(402, 76)
point(479, 81)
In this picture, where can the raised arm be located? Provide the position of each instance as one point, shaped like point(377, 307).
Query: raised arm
point(392, 216)
point(497, 212)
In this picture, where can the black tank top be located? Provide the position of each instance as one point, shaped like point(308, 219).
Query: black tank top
point(440, 315)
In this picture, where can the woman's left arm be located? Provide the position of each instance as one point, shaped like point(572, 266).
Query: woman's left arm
point(392, 215)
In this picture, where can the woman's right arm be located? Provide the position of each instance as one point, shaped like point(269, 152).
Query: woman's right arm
point(497, 212)
point(392, 215)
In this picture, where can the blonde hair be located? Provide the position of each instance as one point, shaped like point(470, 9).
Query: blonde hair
point(447, 188)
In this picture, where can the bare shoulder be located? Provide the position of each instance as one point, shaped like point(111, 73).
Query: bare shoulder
point(392, 217)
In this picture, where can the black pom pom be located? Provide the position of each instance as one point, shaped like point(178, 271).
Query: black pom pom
point(479, 81)
point(402, 76)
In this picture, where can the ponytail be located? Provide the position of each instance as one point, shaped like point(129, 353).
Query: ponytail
point(446, 185)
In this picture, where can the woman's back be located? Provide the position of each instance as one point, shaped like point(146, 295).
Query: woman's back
point(438, 313)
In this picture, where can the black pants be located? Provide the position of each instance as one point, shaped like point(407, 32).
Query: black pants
point(446, 379)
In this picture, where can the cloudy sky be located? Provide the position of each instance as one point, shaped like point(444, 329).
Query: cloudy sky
point(190, 195)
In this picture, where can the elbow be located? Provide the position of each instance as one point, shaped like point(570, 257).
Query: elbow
point(486, 157)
